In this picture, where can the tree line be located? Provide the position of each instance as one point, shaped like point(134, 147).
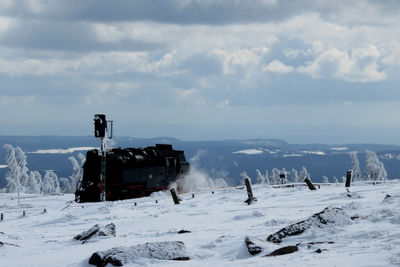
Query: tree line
point(374, 171)
point(20, 179)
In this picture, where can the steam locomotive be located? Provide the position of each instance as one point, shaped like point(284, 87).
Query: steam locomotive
point(130, 172)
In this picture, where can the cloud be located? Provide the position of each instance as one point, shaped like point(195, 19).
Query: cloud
point(247, 58)
point(278, 67)
point(360, 65)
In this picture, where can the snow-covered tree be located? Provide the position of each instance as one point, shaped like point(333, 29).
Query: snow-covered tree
point(266, 177)
point(70, 185)
point(275, 176)
point(335, 180)
point(50, 183)
point(260, 177)
point(374, 170)
point(35, 183)
point(303, 174)
point(23, 170)
point(356, 172)
point(66, 185)
point(295, 176)
point(325, 179)
point(13, 172)
point(81, 158)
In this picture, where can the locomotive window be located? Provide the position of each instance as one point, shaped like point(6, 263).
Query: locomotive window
point(170, 162)
point(182, 158)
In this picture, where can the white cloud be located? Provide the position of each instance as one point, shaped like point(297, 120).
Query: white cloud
point(279, 67)
point(240, 58)
point(359, 65)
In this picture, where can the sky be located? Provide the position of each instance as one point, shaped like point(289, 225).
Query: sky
point(303, 71)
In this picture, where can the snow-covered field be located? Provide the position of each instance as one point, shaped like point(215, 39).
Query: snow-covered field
point(218, 223)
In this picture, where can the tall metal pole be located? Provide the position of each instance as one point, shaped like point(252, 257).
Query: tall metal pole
point(103, 172)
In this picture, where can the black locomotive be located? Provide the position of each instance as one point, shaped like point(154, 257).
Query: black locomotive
point(130, 172)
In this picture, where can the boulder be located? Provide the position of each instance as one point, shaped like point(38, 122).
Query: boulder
point(252, 247)
point(283, 251)
point(119, 256)
point(327, 216)
point(95, 231)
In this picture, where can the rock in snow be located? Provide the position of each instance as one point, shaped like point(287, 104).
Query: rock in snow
point(283, 251)
point(118, 256)
point(327, 216)
point(96, 230)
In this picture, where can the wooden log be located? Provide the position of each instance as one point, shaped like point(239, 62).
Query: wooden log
point(348, 178)
point(250, 195)
point(174, 196)
point(310, 184)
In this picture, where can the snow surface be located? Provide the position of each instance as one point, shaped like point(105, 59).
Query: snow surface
point(219, 224)
point(249, 151)
point(63, 151)
point(314, 152)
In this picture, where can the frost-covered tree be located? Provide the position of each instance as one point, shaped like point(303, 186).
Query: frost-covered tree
point(35, 183)
point(325, 179)
point(50, 183)
point(266, 177)
point(356, 172)
point(66, 185)
point(295, 176)
point(335, 180)
point(260, 177)
point(23, 170)
point(13, 173)
point(374, 170)
point(275, 176)
point(70, 185)
point(303, 174)
point(82, 159)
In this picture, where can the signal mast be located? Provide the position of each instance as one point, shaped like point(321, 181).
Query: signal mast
point(102, 131)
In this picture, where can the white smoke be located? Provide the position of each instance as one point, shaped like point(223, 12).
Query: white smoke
point(196, 181)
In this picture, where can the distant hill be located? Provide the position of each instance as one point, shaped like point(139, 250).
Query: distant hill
point(226, 158)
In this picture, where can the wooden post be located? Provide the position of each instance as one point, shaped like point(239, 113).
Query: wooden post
point(1, 217)
point(23, 213)
point(310, 184)
point(192, 195)
point(156, 201)
point(212, 192)
point(348, 178)
point(249, 192)
point(174, 196)
point(44, 211)
point(135, 204)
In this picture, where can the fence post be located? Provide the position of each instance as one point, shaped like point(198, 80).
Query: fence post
point(1, 217)
point(310, 184)
point(348, 178)
point(251, 198)
point(23, 213)
point(174, 196)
